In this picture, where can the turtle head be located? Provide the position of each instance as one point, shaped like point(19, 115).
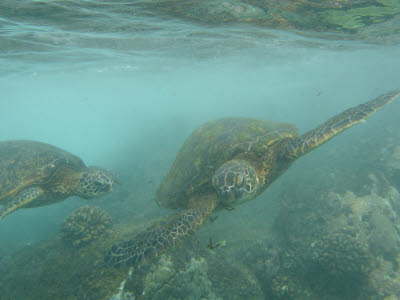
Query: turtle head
point(95, 182)
point(236, 181)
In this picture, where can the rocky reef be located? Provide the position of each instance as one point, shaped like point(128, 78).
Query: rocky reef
point(49, 270)
point(84, 225)
point(164, 281)
point(341, 244)
point(339, 239)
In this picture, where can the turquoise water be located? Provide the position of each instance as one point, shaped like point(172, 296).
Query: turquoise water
point(122, 84)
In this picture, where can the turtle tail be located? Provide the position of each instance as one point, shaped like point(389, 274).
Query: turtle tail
point(316, 137)
point(161, 236)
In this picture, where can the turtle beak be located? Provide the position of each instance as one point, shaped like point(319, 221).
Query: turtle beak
point(227, 194)
point(108, 188)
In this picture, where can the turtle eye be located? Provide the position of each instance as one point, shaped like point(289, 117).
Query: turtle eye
point(97, 183)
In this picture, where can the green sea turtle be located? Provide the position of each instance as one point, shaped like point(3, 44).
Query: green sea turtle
point(37, 174)
point(224, 163)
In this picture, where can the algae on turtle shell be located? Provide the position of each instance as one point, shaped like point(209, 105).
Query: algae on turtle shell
point(225, 163)
point(35, 174)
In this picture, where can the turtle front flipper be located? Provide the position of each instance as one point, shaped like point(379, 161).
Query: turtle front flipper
point(24, 198)
point(161, 236)
point(316, 137)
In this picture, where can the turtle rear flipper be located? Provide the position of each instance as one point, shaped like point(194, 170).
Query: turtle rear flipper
point(316, 137)
point(161, 236)
point(24, 198)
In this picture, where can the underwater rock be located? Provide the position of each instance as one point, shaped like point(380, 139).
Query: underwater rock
point(341, 254)
point(123, 296)
point(158, 276)
point(335, 263)
point(196, 272)
point(47, 270)
point(341, 244)
point(232, 275)
point(385, 279)
point(84, 225)
point(284, 287)
point(384, 238)
point(360, 207)
point(393, 196)
point(163, 282)
point(363, 206)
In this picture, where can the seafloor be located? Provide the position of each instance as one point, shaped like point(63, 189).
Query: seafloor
point(327, 229)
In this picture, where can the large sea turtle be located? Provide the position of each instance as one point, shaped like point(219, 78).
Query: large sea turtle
point(36, 174)
point(224, 163)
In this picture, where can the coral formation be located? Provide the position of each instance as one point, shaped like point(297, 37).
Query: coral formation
point(384, 238)
point(341, 254)
point(84, 225)
point(165, 282)
point(283, 286)
point(341, 241)
point(385, 279)
point(49, 270)
point(231, 275)
point(336, 245)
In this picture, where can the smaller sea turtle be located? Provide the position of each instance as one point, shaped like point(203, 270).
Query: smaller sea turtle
point(224, 163)
point(36, 174)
